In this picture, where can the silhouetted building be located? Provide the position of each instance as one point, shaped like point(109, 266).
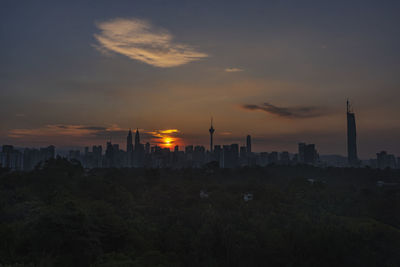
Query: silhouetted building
point(284, 158)
point(74, 154)
point(248, 144)
point(178, 158)
point(161, 158)
point(137, 139)
point(230, 156)
point(243, 154)
point(129, 142)
point(307, 153)
point(301, 152)
point(211, 130)
point(334, 160)
point(385, 160)
point(110, 155)
point(10, 158)
point(262, 159)
point(199, 156)
point(273, 157)
point(129, 150)
point(33, 156)
point(147, 148)
point(97, 157)
point(189, 155)
point(138, 158)
point(217, 153)
point(351, 137)
point(310, 154)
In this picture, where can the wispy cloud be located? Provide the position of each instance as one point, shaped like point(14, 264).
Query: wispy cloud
point(225, 133)
point(140, 40)
point(288, 112)
point(233, 70)
point(64, 130)
point(75, 134)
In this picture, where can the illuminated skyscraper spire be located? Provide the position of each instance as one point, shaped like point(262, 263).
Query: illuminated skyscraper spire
point(211, 130)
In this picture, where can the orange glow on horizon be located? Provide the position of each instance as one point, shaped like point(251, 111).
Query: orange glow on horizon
point(166, 138)
point(168, 142)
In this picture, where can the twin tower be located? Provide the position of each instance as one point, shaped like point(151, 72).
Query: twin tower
point(129, 143)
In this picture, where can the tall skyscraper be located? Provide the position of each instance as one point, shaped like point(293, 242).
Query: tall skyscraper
point(301, 152)
point(129, 144)
point(211, 130)
point(137, 140)
point(351, 137)
point(248, 144)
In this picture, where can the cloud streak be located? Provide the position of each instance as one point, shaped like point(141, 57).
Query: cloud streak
point(140, 40)
point(287, 112)
point(65, 131)
point(233, 70)
point(78, 135)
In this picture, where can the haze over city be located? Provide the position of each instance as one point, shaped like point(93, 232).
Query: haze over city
point(77, 73)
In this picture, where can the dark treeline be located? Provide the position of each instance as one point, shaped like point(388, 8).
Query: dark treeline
point(62, 215)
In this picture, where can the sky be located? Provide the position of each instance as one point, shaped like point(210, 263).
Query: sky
point(77, 73)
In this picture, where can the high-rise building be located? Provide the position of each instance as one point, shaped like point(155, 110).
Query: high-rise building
point(10, 158)
point(129, 143)
point(351, 137)
point(129, 150)
point(137, 140)
point(310, 154)
point(138, 158)
point(301, 152)
point(273, 157)
point(385, 160)
point(248, 144)
point(34, 156)
point(307, 153)
point(211, 130)
point(243, 152)
point(284, 157)
point(147, 148)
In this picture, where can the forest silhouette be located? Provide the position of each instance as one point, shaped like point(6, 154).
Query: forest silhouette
point(62, 215)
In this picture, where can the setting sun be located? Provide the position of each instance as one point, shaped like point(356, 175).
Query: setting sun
point(167, 141)
point(166, 138)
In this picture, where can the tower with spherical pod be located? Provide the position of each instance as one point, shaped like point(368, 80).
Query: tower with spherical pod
point(211, 130)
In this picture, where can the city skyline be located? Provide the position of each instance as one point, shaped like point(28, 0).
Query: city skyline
point(167, 150)
point(170, 155)
point(171, 139)
point(74, 74)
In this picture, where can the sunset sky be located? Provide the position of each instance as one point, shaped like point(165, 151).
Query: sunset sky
point(76, 73)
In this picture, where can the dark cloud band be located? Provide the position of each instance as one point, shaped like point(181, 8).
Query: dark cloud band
point(288, 112)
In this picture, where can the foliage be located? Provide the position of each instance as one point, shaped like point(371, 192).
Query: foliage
point(62, 215)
